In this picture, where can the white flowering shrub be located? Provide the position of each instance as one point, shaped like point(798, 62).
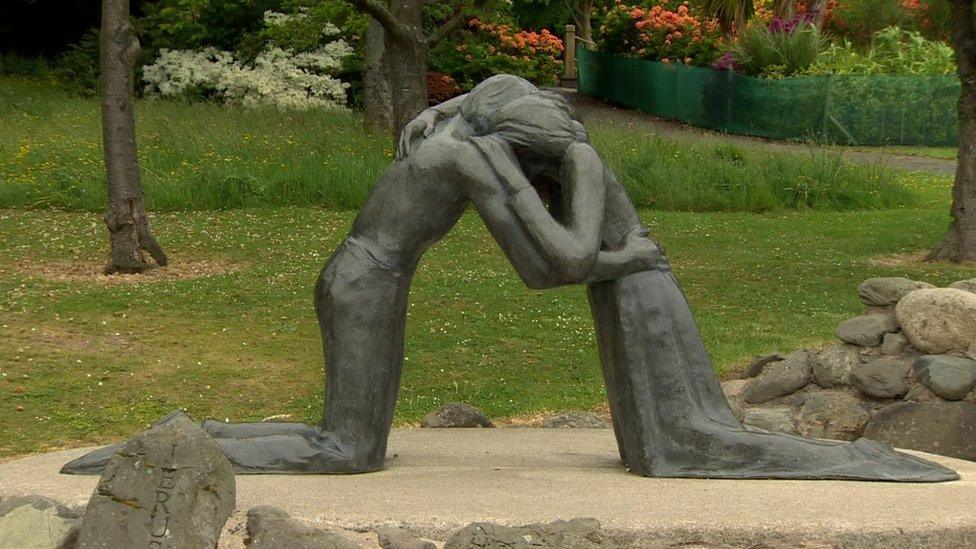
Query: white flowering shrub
point(278, 77)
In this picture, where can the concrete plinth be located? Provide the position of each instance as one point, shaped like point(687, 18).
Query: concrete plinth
point(439, 480)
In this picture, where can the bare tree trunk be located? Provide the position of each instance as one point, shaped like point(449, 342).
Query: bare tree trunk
point(377, 99)
point(585, 33)
point(959, 243)
point(407, 64)
point(125, 215)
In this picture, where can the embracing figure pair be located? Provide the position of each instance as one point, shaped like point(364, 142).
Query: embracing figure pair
point(523, 159)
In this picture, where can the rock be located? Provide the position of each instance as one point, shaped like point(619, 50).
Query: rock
point(938, 320)
point(758, 363)
point(772, 418)
point(920, 393)
point(965, 285)
point(867, 354)
point(456, 414)
point(574, 420)
point(945, 428)
point(572, 534)
point(734, 387)
point(949, 377)
point(893, 344)
point(832, 414)
point(884, 291)
point(866, 330)
point(400, 538)
point(170, 486)
point(886, 377)
point(733, 390)
point(834, 366)
point(780, 378)
point(271, 528)
point(36, 522)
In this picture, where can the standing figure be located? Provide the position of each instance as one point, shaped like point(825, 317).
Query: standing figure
point(504, 147)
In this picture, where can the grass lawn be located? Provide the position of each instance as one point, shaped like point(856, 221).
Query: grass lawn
point(229, 331)
point(83, 361)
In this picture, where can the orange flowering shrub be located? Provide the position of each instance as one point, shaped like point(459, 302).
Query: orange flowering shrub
point(484, 49)
point(440, 88)
point(660, 34)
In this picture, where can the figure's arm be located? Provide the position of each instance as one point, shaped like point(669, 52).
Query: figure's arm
point(638, 254)
point(425, 123)
point(570, 249)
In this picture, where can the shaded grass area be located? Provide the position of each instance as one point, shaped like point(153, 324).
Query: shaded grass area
point(83, 361)
point(206, 157)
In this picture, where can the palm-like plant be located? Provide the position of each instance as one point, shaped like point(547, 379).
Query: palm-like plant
point(729, 12)
point(761, 51)
point(735, 13)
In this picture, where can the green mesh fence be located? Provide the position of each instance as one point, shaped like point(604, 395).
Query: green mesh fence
point(852, 109)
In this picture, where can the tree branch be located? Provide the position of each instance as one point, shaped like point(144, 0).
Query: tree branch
point(453, 23)
point(447, 28)
point(378, 11)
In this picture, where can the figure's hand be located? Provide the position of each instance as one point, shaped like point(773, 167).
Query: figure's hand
point(647, 253)
point(418, 129)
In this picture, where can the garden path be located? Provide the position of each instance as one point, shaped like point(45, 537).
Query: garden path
point(593, 110)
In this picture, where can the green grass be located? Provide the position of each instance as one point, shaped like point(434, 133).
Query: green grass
point(83, 361)
point(207, 157)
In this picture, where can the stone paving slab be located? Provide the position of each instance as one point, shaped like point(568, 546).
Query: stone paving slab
point(439, 480)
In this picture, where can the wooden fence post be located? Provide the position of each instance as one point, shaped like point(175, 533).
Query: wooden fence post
point(569, 54)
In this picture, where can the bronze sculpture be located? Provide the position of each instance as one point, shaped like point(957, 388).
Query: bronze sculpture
point(521, 157)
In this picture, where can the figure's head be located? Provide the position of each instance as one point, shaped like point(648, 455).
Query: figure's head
point(541, 125)
point(484, 100)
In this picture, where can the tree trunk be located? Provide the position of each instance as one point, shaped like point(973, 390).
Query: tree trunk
point(407, 65)
point(377, 99)
point(125, 216)
point(586, 23)
point(959, 243)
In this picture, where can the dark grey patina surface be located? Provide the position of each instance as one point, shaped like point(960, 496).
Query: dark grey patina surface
point(522, 159)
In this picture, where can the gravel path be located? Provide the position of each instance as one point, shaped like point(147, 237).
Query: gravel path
point(591, 109)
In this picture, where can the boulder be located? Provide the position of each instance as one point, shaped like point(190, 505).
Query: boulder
point(391, 537)
point(758, 363)
point(894, 344)
point(883, 291)
point(36, 522)
point(271, 528)
point(885, 377)
point(833, 367)
point(965, 285)
point(572, 534)
point(772, 418)
point(780, 378)
point(574, 420)
point(949, 377)
point(832, 414)
point(733, 390)
point(170, 486)
point(945, 428)
point(939, 320)
point(456, 414)
point(866, 330)
point(734, 387)
point(920, 393)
